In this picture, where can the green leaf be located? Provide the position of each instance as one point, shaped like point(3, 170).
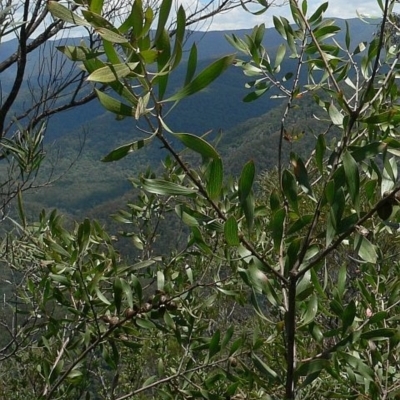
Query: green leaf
point(348, 316)
point(379, 334)
point(214, 347)
point(322, 33)
point(137, 18)
point(62, 12)
point(145, 323)
point(169, 322)
point(227, 337)
point(117, 287)
point(111, 36)
point(122, 151)
point(335, 115)
point(316, 17)
point(215, 180)
point(357, 365)
point(96, 6)
point(191, 64)
point(231, 232)
point(352, 177)
point(280, 55)
point(312, 367)
point(208, 75)
point(113, 105)
point(160, 186)
point(79, 53)
point(365, 249)
point(163, 15)
point(290, 189)
point(198, 145)
point(163, 46)
point(128, 292)
point(111, 73)
point(311, 311)
point(276, 227)
point(301, 174)
point(265, 370)
point(249, 209)
point(160, 280)
point(246, 181)
point(341, 283)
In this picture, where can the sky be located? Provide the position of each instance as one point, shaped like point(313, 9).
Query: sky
point(237, 19)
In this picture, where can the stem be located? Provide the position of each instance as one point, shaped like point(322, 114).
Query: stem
point(290, 320)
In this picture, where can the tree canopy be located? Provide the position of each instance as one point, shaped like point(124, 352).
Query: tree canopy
point(282, 285)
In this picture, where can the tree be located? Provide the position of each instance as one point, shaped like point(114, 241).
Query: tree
point(291, 291)
point(30, 94)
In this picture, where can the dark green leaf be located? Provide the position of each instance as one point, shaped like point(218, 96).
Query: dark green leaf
point(124, 150)
point(246, 181)
point(231, 232)
point(214, 346)
point(265, 370)
point(290, 189)
point(215, 180)
point(117, 294)
point(352, 177)
point(348, 316)
point(208, 75)
point(163, 15)
point(197, 144)
point(191, 65)
point(115, 106)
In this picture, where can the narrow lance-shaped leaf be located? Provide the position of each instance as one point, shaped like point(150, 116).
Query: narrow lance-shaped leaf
point(352, 177)
point(276, 227)
point(114, 105)
point(208, 75)
point(96, 6)
point(246, 180)
point(117, 294)
point(215, 179)
point(163, 45)
point(160, 186)
point(191, 65)
point(301, 174)
point(111, 73)
point(365, 249)
point(198, 145)
point(62, 12)
point(290, 189)
point(280, 54)
point(163, 15)
point(137, 17)
point(231, 232)
point(123, 151)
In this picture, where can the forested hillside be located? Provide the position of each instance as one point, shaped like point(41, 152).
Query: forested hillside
point(94, 132)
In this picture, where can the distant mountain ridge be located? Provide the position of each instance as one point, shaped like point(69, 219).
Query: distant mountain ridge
point(91, 183)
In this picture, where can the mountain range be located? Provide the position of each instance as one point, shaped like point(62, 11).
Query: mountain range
point(248, 129)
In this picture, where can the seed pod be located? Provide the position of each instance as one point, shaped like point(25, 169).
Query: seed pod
point(113, 320)
point(130, 313)
point(233, 362)
point(171, 306)
point(146, 307)
point(163, 299)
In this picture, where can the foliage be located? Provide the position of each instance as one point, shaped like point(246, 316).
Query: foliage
point(287, 287)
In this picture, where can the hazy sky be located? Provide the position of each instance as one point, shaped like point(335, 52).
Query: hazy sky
point(237, 19)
